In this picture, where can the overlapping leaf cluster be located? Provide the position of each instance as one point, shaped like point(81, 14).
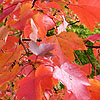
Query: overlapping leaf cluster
point(37, 53)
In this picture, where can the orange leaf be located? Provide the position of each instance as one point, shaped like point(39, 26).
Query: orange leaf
point(94, 89)
point(3, 35)
point(66, 42)
point(6, 76)
point(43, 23)
point(87, 12)
point(72, 40)
point(8, 57)
point(4, 32)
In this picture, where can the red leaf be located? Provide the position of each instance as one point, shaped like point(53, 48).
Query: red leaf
point(87, 12)
point(27, 30)
point(1, 1)
point(44, 74)
point(20, 24)
point(27, 70)
point(94, 37)
point(87, 68)
point(29, 89)
point(71, 76)
point(42, 49)
point(6, 12)
point(96, 51)
point(10, 43)
point(53, 5)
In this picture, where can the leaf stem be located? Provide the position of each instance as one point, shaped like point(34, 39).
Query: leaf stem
point(90, 61)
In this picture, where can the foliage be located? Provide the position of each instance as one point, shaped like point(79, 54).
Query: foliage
point(49, 50)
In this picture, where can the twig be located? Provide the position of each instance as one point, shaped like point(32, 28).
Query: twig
point(92, 46)
point(2, 50)
point(33, 3)
point(74, 22)
point(20, 42)
point(26, 39)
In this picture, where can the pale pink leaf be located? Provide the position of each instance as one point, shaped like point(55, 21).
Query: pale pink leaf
point(73, 78)
point(41, 50)
point(48, 22)
point(97, 77)
point(62, 27)
point(34, 33)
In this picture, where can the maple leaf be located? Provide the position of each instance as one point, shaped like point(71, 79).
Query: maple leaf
point(6, 76)
point(94, 37)
point(23, 17)
point(27, 30)
point(43, 23)
point(44, 74)
point(4, 32)
point(34, 33)
point(94, 89)
point(71, 76)
point(2, 43)
point(97, 77)
point(10, 43)
point(66, 42)
point(87, 68)
point(29, 89)
point(34, 84)
point(96, 51)
point(1, 1)
point(6, 12)
point(10, 56)
point(3, 35)
point(88, 11)
point(41, 50)
point(62, 27)
point(53, 5)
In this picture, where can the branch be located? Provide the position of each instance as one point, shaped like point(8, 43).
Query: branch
point(92, 46)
